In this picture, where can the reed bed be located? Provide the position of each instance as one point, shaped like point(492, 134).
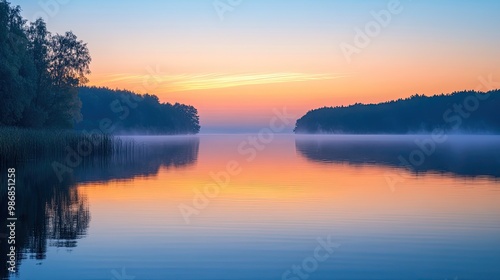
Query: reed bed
point(19, 145)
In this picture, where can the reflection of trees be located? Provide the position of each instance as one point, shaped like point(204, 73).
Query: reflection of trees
point(46, 210)
point(141, 157)
point(463, 156)
point(54, 213)
point(68, 218)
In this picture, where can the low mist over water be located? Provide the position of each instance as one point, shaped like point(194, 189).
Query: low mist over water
point(462, 155)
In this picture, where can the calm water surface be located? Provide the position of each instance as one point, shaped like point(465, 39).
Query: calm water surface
point(123, 219)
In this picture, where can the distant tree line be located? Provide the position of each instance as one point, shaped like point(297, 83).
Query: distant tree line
point(39, 73)
point(121, 111)
point(466, 111)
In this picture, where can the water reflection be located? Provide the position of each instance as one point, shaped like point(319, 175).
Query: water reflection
point(49, 212)
point(141, 156)
point(269, 216)
point(55, 213)
point(460, 155)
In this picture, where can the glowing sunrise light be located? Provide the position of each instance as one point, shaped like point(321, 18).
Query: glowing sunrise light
point(188, 82)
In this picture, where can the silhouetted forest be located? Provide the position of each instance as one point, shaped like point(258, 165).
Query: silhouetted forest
point(127, 112)
point(39, 73)
point(461, 112)
point(41, 79)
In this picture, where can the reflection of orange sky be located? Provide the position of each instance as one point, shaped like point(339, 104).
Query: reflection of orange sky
point(279, 186)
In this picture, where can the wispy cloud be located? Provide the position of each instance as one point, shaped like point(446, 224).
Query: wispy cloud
point(187, 82)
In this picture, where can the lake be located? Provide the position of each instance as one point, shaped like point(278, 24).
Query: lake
point(275, 207)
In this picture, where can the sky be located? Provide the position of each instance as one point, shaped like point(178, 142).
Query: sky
point(237, 61)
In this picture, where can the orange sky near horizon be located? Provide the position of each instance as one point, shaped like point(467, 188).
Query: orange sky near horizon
point(233, 100)
point(266, 54)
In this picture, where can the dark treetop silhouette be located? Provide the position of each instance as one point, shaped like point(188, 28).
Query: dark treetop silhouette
point(467, 111)
point(39, 73)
